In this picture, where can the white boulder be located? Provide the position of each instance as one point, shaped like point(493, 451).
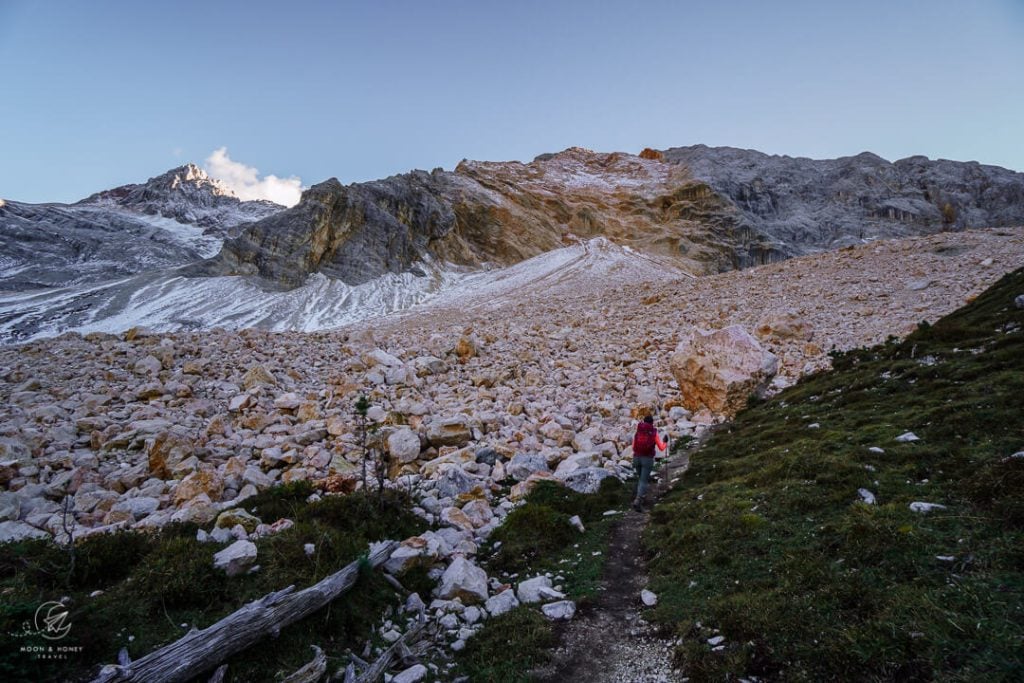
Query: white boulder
point(236, 558)
point(463, 579)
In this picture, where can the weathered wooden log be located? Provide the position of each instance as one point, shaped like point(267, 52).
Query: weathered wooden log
point(311, 672)
point(200, 651)
point(383, 663)
point(218, 675)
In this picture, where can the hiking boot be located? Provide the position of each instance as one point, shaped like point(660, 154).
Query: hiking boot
point(638, 505)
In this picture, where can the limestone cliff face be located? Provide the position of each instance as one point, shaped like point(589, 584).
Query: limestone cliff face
point(712, 209)
point(352, 233)
point(797, 205)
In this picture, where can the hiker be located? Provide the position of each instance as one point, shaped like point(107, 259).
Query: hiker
point(644, 442)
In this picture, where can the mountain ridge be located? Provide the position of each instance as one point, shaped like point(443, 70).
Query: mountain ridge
point(713, 208)
point(123, 256)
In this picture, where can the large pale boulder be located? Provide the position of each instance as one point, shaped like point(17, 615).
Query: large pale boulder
point(523, 465)
point(453, 481)
point(18, 531)
point(587, 480)
point(719, 370)
point(197, 483)
point(10, 506)
point(464, 580)
point(577, 461)
point(452, 431)
point(404, 445)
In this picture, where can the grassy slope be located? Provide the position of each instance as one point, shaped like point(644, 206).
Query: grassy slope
point(537, 538)
point(155, 582)
point(765, 543)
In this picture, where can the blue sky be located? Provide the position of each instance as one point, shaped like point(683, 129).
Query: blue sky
point(98, 94)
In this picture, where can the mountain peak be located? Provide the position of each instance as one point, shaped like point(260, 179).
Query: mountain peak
point(189, 195)
point(190, 172)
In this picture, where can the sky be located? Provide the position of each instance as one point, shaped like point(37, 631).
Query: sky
point(276, 96)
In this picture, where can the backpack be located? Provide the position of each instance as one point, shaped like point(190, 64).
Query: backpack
point(643, 442)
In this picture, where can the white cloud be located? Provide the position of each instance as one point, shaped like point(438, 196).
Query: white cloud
point(246, 183)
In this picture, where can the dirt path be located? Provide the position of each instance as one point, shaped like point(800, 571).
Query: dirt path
point(609, 641)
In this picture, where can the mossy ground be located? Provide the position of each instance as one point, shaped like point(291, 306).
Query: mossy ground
point(537, 538)
point(157, 585)
point(765, 542)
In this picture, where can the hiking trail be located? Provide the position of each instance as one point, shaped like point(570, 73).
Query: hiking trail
point(609, 641)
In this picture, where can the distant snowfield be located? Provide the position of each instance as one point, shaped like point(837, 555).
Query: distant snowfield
point(165, 301)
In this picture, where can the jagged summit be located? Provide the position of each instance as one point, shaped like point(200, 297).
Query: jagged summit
point(189, 195)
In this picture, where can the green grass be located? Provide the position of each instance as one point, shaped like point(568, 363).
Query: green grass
point(155, 582)
point(508, 647)
point(765, 543)
point(534, 539)
point(537, 536)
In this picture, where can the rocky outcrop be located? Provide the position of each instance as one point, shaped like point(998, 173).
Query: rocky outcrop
point(796, 206)
point(719, 370)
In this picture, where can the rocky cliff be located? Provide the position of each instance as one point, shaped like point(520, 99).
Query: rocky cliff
point(493, 213)
point(712, 209)
point(797, 205)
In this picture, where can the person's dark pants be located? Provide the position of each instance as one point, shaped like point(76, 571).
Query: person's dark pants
point(643, 467)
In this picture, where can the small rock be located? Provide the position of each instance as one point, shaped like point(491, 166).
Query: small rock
point(236, 558)
point(717, 640)
point(559, 611)
point(148, 366)
point(649, 598)
point(414, 603)
point(463, 579)
point(501, 603)
point(876, 449)
point(257, 375)
point(866, 496)
point(414, 674)
point(577, 522)
point(229, 518)
point(907, 437)
point(289, 401)
point(529, 590)
point(925, 508)
point(1019, 301)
